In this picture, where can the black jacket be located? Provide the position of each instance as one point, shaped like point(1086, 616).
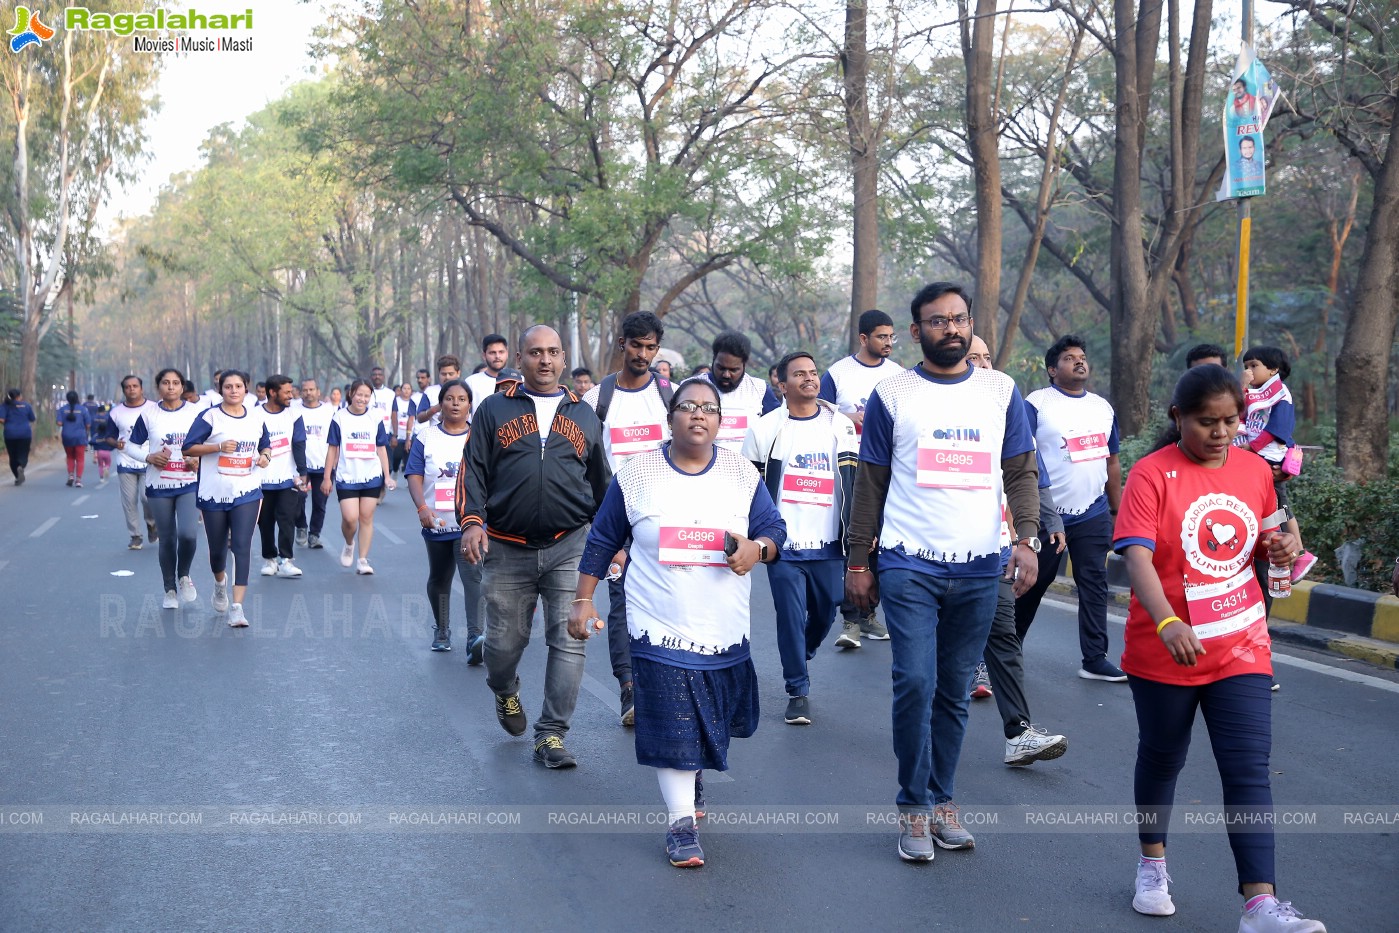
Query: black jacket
point(524, 494)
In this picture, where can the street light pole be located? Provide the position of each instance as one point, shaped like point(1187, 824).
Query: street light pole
point(1245, 229)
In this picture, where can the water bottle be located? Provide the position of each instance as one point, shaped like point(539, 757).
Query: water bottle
point(1279, 581)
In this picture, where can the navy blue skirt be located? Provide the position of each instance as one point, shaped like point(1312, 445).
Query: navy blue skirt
point(685, 718)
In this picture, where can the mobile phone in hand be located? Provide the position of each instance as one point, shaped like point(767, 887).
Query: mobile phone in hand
point(730, 545)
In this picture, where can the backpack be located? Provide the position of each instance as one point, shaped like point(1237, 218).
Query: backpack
point(608, 387)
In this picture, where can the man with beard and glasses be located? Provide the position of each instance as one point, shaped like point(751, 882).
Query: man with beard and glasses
point(742, 397)
point(1076, 432)
point(848, 384)
point(632, 405)
point(941, 442)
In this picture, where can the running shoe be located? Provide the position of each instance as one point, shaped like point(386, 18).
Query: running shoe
point(171, 601)
point(947, 831)
point(981, 683)
point(236, 619)
point(549, 751)
point(510, 714)
point(285, 568)
point(798, 712)
point(476, 650)
point(78, 484)
point(70, 481)
point(682, 844)
point(19, 476)
point(1102, 669)
point(302, 539)
point(873, 629)
point(1152, 897)
point(1303, 565)
point(135, 544)
point(269, 566)
point(185, 586)
point(363, 567)
point(849, 636)
point(628, 705)
point(347, 555)
point(915, 845)
point(1034, 745)
point(442, 640)
point(313, 542)
point(1271, 915)
point(220, 598)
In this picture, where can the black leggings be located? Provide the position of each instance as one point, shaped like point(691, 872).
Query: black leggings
point(179, 533)
point(232, 530)
point(442, 557)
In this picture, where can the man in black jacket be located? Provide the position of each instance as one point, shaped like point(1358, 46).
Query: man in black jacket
point(533, 475)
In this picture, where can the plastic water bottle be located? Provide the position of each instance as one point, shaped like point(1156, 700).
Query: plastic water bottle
point(1279, 581)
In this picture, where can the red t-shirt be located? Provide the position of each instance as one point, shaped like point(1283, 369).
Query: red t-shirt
point(1202, 526)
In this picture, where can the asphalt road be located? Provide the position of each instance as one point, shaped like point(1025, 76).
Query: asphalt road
point(323, 770)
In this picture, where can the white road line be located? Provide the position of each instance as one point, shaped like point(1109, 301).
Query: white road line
point(81, 499)
point(44, 527)
point(1340, 673)
point(4, 564)
point(384, 530)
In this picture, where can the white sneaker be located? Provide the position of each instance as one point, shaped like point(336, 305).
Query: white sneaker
point(1034, 745)
point(220, 600)
point(347, 556)
point(172, 600)
point(269, 566)
point(1152, 897)
point(236, 619)
point(364, 567)
point(285, 568)
point(188, 594)
point(1275, 916)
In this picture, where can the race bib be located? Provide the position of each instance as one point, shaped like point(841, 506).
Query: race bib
point(1087, 447)
point(235, 464)
point(359, 450)
point(688, 546)
point(732, 428)
point(1225, 607)
point(635, 439)
point(445, 498)
point(281, 446)
point(809, 487)
point(175, 470)
point(942, 465)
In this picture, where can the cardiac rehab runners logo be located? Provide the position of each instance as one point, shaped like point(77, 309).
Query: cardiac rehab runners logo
point(28, 30)
point(1218, 533)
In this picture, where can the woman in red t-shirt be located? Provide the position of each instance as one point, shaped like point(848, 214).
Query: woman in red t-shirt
point(1194, 515)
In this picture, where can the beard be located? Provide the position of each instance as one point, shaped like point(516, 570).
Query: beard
point(946, 352)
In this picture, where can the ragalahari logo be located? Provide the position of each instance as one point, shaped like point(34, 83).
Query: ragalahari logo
point(28, 30)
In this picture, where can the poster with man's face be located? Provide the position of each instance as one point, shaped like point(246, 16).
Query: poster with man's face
point(1250, 101)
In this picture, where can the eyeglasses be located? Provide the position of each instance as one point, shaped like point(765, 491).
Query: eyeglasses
point(940, 323)
point(689, 408)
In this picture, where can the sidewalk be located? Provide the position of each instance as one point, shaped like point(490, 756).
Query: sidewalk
point(1354, 623)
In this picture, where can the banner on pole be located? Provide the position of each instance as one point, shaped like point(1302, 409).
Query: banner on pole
point(1250, 101)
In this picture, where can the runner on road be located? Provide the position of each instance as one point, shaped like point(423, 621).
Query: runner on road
point(75, 424)
point(283, 478)
point(18, 417)
point(131, 474)
point(315, 420)
point(357, 462)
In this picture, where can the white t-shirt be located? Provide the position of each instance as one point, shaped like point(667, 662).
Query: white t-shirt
point(545, 407)
point(163, 430)
point(636, 421)
point(482, 386)
point(741, 409)
point(849, 383)
point(436, 456)
point(1076, 434)
point(381, 400)
point(359, 438)
point(316, 421)
point(125, 418)
point(280, 471)
point(229, 479)
point(809, 495)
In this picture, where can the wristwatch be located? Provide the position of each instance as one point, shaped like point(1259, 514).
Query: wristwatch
point(1033, 542)
point(762, 552)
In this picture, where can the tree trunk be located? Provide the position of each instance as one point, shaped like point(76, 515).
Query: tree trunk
point(1133, 316)
point(978, 40)
point(1362, 369)
point(864, 167)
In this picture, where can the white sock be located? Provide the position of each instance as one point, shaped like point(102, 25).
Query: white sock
point(678, 791)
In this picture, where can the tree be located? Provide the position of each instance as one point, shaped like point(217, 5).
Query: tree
point(77, 114)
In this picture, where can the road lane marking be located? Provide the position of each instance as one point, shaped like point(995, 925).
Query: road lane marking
point(1340, 673)
point(44, 527)
point(81, 499)
point(4, 564)
point(387, 533)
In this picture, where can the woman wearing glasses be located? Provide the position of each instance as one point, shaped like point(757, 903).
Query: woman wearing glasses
point(700, 519)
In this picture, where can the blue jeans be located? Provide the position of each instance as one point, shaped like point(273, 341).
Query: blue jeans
point(805, 595)
point(1238, 713)
point(937, 633)
point(514, 579)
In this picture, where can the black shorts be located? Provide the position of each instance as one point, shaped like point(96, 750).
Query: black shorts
point(373, 492)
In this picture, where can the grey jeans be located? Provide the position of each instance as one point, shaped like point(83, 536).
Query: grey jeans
point(514, 579)
point(133, 503)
